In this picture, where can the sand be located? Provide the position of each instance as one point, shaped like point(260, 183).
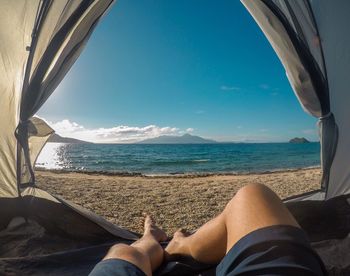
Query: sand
point(175, 202)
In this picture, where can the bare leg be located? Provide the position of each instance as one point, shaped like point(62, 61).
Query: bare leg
point(254, 206)
point(146, 253)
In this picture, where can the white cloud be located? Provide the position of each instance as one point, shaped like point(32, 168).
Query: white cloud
point(190, 129)
point(229, 88)
point(66, 126)
point(117, 134)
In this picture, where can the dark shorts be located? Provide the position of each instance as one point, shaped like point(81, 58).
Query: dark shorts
point(116, 267)
point(273, 250)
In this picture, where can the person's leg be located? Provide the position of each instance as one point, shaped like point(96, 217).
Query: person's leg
point(146, 253)
point(253, 207)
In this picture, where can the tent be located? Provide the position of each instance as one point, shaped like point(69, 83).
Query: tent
point(40, 40)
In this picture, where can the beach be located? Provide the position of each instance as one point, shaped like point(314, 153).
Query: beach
point(181, 201)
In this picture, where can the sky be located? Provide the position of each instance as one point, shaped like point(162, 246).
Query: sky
point(161, 67)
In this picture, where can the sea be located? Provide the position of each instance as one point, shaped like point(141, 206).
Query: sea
point(171, 159)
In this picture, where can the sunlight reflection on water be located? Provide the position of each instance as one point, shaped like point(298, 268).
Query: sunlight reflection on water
point(174, 159)
point(53, 156)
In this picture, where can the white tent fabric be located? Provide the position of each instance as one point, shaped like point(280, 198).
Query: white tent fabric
point(304, 34)
point(332, 18)
point(298, 75)
point(41, 41)
point(18, 17)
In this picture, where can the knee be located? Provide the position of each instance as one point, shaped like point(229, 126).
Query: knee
point(253, 190)
point(124, 251)
point(119, 247)
point(248, 193)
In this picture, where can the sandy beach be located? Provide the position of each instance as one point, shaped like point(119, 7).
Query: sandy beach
point(175, 201)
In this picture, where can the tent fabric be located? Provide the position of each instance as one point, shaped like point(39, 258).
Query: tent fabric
point(40, 41)
point(55, 34)
point(328, 132)
point(288, 52)
point(60, 33)
point(108, 226)
point(38, 134)
point(300, 17)
point(16, 19)
point(44, 247)
point(296, 31)
point(332, 18)
point(317, 195)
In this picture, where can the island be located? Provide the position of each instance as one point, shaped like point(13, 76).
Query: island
point(299, 140)
point(55, 138)
point(184, 139)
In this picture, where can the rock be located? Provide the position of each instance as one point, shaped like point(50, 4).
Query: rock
point(298, 140)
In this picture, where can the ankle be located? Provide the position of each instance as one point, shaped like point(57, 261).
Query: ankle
point(185, 245)
point(149, 236)
point(179, 246)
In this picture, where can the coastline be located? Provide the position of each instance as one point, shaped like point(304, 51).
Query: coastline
point(172, 175)
point(175, 201)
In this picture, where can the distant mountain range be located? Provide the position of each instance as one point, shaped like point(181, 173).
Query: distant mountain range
point(164, 139)
point(184, 139)
point(55, 138)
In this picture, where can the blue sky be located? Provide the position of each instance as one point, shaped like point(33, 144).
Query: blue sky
point(170, 67)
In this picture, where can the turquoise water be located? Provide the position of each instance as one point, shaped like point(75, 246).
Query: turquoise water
point(179, 159)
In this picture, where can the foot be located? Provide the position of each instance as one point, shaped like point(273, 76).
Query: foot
point(177, 246)
point(152, 229)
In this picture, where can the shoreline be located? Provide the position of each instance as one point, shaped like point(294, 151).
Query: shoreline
point(173, 175)
point(174, 201)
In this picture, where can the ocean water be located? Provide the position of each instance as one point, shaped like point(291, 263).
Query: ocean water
point(179, 159)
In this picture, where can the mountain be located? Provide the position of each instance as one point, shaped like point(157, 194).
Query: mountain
point(184, 139)
point(298, 140)
point(55, 138)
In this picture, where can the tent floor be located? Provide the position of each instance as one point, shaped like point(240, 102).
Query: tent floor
point(27, 248)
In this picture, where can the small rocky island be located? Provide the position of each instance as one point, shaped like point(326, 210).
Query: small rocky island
point(299, 140)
